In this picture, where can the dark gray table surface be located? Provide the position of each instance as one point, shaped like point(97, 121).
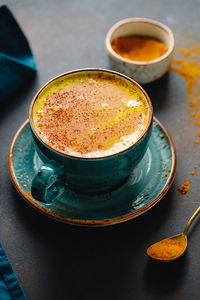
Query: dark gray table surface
point(57, 261)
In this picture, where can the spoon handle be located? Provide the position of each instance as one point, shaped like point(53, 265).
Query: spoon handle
point(191, 220)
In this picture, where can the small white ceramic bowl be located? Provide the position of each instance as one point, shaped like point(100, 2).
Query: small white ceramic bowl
point(143, 72)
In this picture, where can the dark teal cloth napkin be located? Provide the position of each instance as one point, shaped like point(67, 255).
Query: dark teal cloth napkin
point(10, 288)
point(17, 64)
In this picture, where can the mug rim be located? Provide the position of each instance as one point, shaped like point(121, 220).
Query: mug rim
point(92, 70)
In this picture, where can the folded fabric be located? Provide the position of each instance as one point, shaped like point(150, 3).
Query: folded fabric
point(17, 64)
point(10, 288)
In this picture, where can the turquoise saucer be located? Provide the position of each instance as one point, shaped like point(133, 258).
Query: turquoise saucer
point(144, 188)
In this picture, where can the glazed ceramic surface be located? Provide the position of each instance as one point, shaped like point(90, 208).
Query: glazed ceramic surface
point(142, 72)
point(144, 188)
point(89, 175)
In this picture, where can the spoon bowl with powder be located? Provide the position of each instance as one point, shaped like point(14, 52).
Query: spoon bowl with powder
point(173, 247)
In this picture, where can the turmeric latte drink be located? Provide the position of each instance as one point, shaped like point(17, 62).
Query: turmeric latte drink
point(90, 114)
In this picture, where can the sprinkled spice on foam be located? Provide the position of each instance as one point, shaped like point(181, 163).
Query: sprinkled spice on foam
point(92, 117)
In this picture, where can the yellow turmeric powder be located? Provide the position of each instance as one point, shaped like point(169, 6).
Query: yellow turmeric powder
point(166, 249)
point(189, 69)
point(139, 48)
point(195, 51)
point(184, 188)
point(185, 51)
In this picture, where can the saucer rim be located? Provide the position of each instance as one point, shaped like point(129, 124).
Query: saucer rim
point(93, 223)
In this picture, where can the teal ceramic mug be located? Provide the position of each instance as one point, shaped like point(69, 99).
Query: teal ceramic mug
point(83, 174)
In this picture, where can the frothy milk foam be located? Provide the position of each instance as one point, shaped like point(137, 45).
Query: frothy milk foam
point(90, 114)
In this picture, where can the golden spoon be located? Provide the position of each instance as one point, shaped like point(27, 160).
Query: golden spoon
point(173, 247)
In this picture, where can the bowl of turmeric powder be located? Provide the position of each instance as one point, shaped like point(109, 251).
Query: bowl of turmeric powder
point(140, 48)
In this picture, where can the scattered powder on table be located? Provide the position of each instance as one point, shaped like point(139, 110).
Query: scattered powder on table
point(189, 69)
point(188, 66)
point(184, 188)
point(185, 51)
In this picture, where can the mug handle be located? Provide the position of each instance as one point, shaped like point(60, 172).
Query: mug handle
point(45, 184)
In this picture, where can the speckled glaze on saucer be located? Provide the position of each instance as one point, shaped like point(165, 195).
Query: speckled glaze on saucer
point(147, 184)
